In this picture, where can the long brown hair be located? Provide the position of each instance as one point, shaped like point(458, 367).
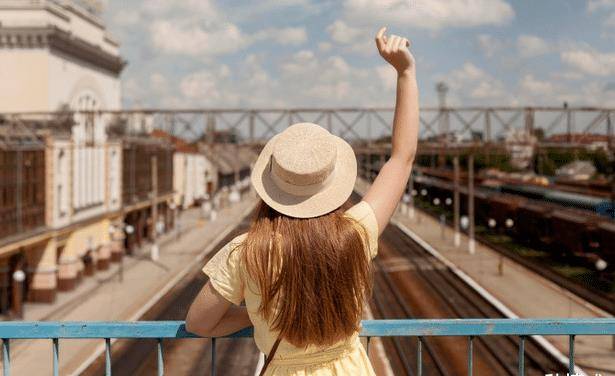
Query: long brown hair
point(313, 274)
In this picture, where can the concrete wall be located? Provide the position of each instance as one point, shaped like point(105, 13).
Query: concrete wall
point(24, 76)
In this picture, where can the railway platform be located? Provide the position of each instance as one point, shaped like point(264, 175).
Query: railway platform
point(144, 282)
point(515, 290)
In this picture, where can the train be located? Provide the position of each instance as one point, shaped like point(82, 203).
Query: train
point(599, 205)
point(562, 223)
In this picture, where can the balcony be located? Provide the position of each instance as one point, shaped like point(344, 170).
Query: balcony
point(170, 330)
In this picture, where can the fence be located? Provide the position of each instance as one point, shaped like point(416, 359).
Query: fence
point(169, 330)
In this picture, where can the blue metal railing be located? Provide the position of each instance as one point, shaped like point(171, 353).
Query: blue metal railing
point(166, 330)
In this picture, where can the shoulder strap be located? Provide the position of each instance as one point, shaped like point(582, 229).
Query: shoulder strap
point(269, 357)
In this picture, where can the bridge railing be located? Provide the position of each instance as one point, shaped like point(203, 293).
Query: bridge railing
point(169, 330)
point(450, 125)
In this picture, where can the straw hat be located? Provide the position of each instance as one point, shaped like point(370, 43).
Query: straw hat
point(305, 171)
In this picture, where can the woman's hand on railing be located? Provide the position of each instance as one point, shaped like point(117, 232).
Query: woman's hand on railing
point(394, 49)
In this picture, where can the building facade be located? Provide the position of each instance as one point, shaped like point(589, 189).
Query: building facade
point(58, 66)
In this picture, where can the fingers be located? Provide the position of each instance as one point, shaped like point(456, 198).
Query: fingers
point(381, 39)
point(391, 44)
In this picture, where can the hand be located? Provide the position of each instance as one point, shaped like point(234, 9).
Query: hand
point(394, 50)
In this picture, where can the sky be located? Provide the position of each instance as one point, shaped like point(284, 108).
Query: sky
point(310, 53)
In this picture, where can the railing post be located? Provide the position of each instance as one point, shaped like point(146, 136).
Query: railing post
point(571, 355)
point(419, 356)
point(160, 358)
point(56, 357)
point(522, 356)
point(470, 355)
point(213, 357)
point(6, 357)
point(108, 356)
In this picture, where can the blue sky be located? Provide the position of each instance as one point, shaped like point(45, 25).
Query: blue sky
point(206, 53)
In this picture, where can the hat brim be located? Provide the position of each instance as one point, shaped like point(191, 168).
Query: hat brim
point(331, 197)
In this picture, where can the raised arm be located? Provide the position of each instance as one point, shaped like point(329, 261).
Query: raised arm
point(387, 189)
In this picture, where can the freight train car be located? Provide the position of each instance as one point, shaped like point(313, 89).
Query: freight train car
point(536, 217)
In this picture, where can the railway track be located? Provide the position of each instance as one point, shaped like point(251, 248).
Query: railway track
point(392, 298)
point(186, 356)
point(602, 300)
point(438, 293)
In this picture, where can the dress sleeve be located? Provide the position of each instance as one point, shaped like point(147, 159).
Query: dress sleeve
point(364, 214)
point(224, 271)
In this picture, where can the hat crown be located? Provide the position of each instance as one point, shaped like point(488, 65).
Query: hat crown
point(304, 154)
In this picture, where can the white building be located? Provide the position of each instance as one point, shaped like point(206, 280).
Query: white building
point(56, 55)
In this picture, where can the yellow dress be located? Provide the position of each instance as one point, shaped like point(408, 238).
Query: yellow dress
point(348, 357)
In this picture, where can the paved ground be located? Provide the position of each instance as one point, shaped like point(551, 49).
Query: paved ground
point(525, 293)
point(104, 297)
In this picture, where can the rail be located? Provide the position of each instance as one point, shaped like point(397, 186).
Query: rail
point(169, 330)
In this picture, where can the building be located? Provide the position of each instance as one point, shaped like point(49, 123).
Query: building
point(57, 66)
point(589, 140)
point(194, 175)
point(55, 54)
point(233, 164)
point(147, 188)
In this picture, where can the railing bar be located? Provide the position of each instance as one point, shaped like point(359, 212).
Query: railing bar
point(213, 357)
point(470, 351)
point(108, 356)
point(419, 356)
point(522, 356)
point(160, 358)
point(56, 357)
point(6, 357)
point(571, 355)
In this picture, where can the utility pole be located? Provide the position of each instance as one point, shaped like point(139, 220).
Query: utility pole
point(472, 246)
point(442, 89)
point(456, 199)
point(154, 252)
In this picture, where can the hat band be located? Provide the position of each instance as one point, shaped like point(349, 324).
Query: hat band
point(301, 190)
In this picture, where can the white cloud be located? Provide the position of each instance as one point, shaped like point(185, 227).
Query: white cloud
point(187, 38)
point(531, 45)
point(535, 87)
point(594, 5)
point(285, 36)
point(432, 14)
point(183, 38)
point(164, 7)
point(470, 84)
point(303, 79)
point(590, 61)
point(610, 21)
point(324, 46)
point(158, 82)
point(489, 45)
point(340, 32)
point(129, 17)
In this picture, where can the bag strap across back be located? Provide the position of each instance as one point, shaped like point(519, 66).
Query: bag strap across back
point(269, 357)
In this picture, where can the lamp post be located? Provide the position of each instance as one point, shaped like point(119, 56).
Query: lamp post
point(18, 278)
point(129, 230)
